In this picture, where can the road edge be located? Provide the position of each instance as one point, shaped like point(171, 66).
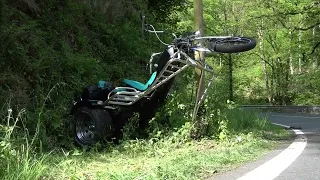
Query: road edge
point(240, 171)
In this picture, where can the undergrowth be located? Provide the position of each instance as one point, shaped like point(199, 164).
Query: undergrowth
point(161, 160)
point(46, 58)
point(164, 155)
point(230, 137)
point(170, 154)
point(18, 159)
point(70, 44)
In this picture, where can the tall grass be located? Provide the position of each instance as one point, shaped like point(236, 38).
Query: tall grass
point(173, 154)
point(240, 120)
point(165, 155)
point(230, 136)
point(17, 158)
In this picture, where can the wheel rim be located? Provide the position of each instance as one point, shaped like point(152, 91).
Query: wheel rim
point(85, 129)
point(233, 40)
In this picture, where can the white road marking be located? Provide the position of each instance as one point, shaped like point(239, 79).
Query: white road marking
point(273, 168)
point(285, 126)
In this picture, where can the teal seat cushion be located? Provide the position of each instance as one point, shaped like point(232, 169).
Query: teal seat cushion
point(138, 85)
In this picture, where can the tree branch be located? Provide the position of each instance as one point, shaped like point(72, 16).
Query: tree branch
point(257, 54)
point(307, 28)
point(314, 48)
point(268, 63)
point(277, 14)
point(271, 42)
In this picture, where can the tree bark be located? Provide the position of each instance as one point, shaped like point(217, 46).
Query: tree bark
point(290, 55)
point(198, 25)
point(199, 74)
point(299, 38)
point(263, 62)
point(230, 73)
point(300, 63)
point(230, 78)
point(314, 59)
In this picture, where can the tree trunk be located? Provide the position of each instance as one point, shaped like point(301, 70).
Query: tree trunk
point(263, 62)
point(272, 86)
point(198, 25)
point(230, 78)
point(199, 74)
point(300, 63)
point(230, 73)
point(290, 55)
point(299, 38)
point(314, 59)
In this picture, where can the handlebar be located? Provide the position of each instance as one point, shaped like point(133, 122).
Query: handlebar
point(186, 38)
point(185, 41)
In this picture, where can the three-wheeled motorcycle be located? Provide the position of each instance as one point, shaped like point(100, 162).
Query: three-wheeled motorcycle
point(102, 110)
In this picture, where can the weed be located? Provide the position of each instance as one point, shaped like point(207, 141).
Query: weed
point(163, 159)
point(17, 158)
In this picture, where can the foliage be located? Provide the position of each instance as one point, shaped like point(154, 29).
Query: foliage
point(68, 44)
point(287, 45)
point(18, 161)
point(299, 86)
point(240, 136)
point(151, 158)
point(166, 10)
point(85, 40)
point(48, 54)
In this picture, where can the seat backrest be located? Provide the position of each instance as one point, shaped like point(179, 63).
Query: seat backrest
point(158, 85)
point(164, 58)
point(152, 78)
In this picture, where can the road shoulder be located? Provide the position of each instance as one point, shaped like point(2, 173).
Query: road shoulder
point(243, 169)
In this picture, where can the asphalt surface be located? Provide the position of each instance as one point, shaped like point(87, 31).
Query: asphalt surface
point(305, 167)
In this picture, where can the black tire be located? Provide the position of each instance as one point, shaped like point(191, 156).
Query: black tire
point(232, 44)
point(91, 126)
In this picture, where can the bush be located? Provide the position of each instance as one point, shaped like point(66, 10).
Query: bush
point(306, 92)
point(65, 47)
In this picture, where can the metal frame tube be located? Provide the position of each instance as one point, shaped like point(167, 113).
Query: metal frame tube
point(126, 96)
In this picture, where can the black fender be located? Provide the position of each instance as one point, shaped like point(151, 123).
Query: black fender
point(80, 104)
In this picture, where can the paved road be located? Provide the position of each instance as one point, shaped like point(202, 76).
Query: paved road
point(307, 164)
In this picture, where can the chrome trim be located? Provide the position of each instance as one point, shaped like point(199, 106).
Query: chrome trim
point(151, 60)
point(128, 96)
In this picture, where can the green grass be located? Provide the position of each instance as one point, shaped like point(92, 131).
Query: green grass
point(162, 160)
point(17, 158)
point(144, 160)
point(163, 156)
point(24, 166)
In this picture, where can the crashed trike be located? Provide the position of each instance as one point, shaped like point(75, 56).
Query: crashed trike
point(102, 110)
